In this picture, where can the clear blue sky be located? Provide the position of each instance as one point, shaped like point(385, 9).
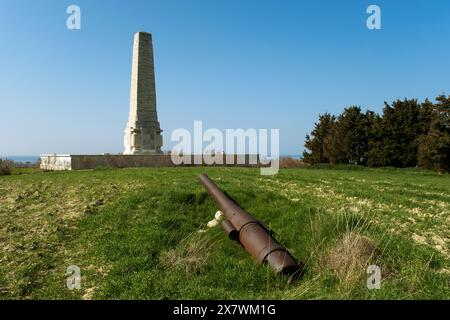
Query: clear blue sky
point(232, 64)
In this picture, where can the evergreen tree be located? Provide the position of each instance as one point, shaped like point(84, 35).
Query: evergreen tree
point(395, 140)
point(375, 154)
point(369, 126)
point(315, 142)
point(434, 145)
point(426, 115)
point(347, 139)
point(407, 134)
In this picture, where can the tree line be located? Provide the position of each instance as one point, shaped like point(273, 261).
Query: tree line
point(406, 134)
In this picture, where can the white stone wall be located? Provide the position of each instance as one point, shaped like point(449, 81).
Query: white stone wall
point(56, 162)
point(83, 162)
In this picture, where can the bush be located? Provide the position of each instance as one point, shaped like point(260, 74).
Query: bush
point(5, 167)
point(289, 162)
point(337, 166)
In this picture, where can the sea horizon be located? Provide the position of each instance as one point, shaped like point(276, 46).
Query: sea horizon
point(21, 158)
point(35, 158)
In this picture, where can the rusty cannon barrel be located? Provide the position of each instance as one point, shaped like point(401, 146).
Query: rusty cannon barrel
point(251, 233)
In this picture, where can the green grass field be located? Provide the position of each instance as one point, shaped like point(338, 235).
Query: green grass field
point(134, 233)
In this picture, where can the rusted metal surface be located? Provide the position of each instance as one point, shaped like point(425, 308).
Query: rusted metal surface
point(229, 229)
point(251, 233)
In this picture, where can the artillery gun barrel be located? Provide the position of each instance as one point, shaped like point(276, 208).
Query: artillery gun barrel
point(251, 233)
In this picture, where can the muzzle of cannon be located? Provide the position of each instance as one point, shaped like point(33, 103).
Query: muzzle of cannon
point(253, 235)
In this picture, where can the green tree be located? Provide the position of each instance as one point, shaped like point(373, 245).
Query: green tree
point(394, 142)
point(434, 145)
point(375, 154)
point(407, 134)
point(315, 142)
point(347, 141)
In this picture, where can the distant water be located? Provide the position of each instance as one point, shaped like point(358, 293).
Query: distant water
point(294, 156)
point(33, 159)
point(22, 159)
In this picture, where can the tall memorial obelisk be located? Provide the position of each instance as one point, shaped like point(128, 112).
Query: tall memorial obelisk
point(143, 134)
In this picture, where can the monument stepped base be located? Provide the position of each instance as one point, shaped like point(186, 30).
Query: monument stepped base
point(80, 162)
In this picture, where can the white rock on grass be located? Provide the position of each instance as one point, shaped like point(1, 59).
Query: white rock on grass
point(212, 223)
point(219, 215)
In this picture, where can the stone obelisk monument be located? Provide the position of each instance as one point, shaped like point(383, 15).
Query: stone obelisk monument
point(143, 134)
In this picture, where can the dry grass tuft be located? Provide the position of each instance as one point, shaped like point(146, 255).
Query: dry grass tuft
point(190, 255)
point(351, 256)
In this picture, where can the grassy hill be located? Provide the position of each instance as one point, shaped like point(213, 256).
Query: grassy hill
point(134, 233)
